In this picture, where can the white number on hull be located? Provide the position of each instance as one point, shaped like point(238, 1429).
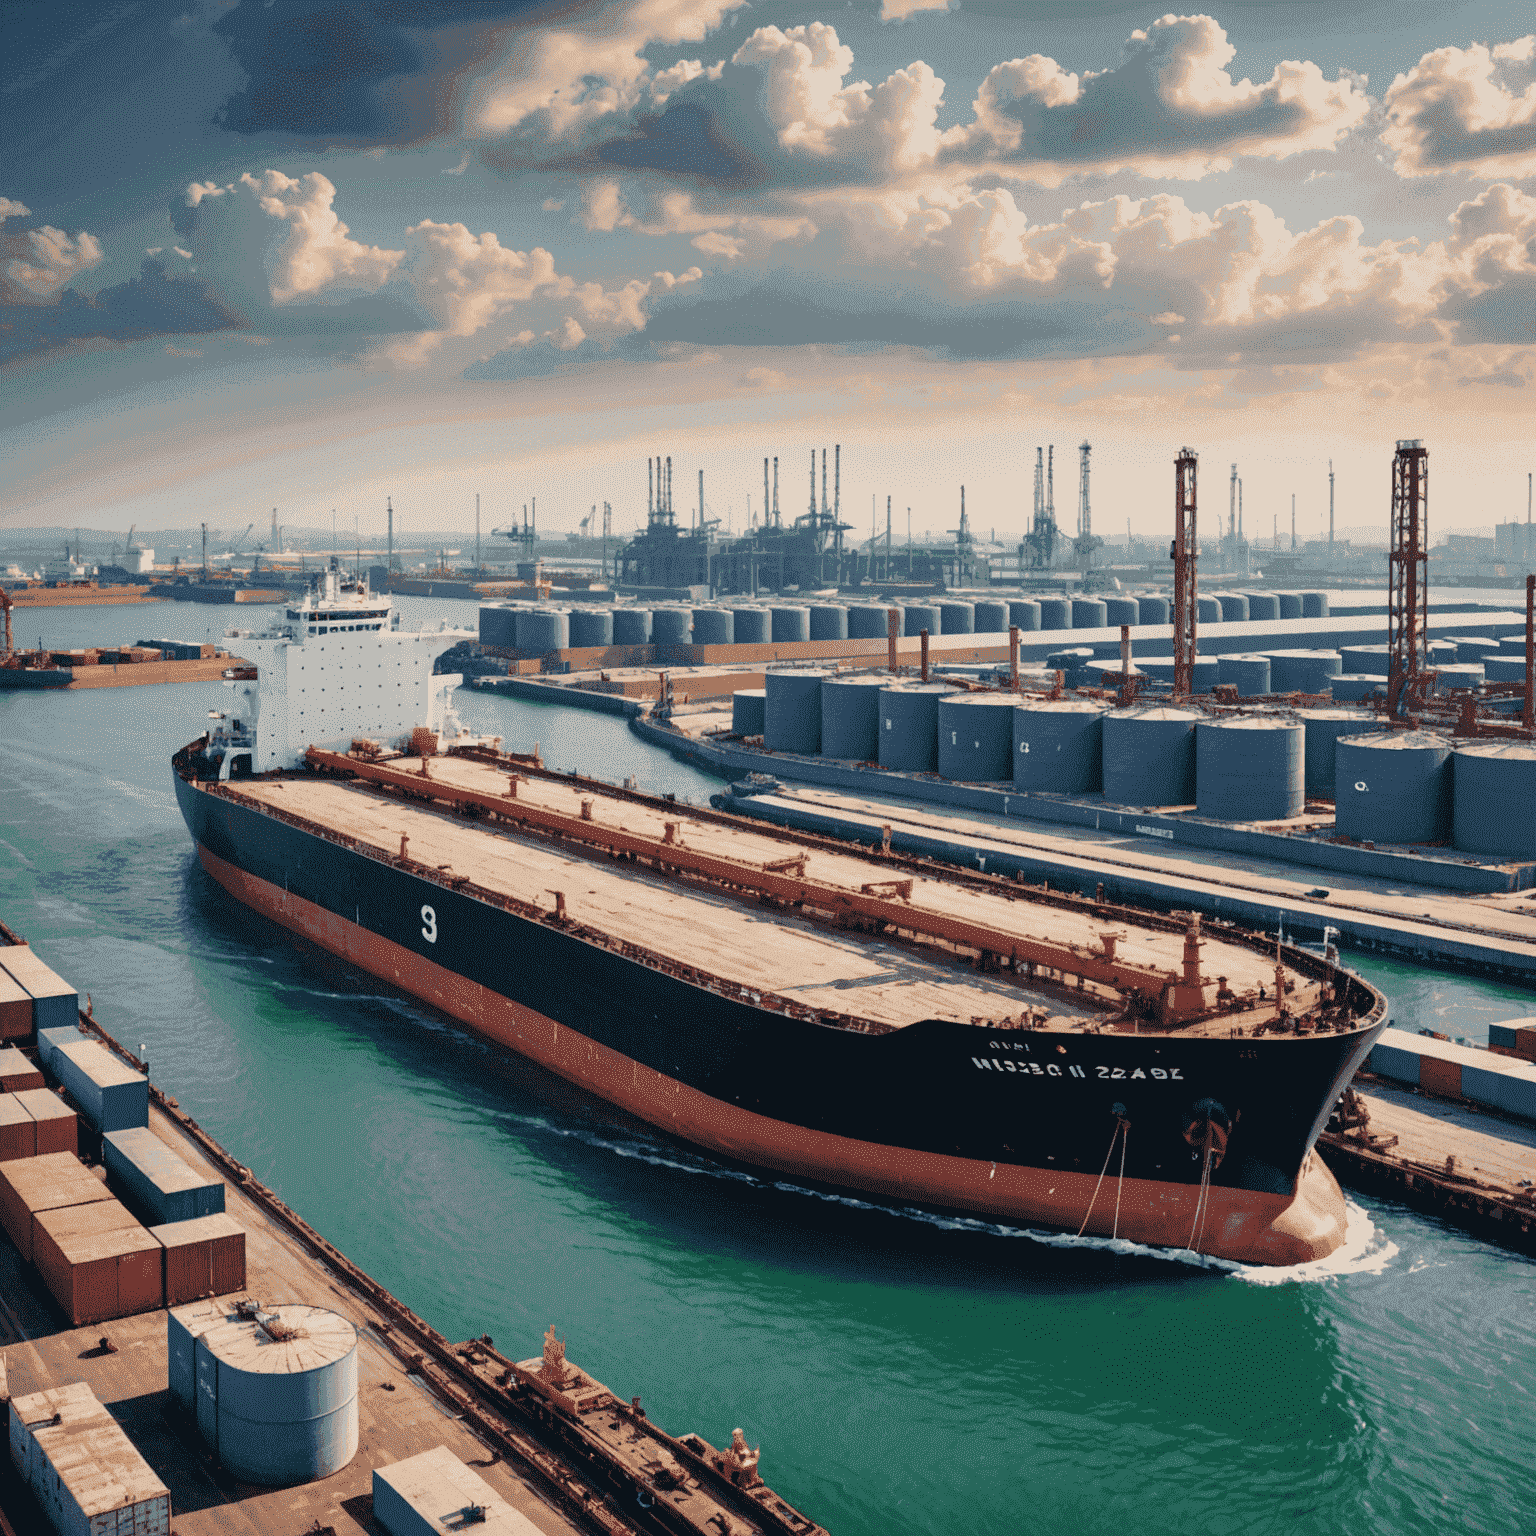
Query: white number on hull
point(429, 925)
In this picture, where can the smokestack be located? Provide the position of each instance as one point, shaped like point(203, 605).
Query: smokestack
point(775, 490)
point(477, 530)
point(1330, 506)
point(1050, 485)
point(813, 484)
point(837, 481)
point(1232, 504)
point(1293, 520)
point(823, 482)
point(389, 507)
point(701, 501)
point(669, 489)
point(650, 490)
point(765, 491)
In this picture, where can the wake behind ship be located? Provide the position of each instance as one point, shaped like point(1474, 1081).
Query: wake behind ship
point(955, 1041)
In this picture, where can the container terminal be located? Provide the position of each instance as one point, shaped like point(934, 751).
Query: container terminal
point(180, 1346)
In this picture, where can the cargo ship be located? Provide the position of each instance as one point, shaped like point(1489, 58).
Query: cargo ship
point(953, 1041)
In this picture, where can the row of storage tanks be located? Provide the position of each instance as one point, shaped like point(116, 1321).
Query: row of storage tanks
point(1389, 787)
point(536, 630)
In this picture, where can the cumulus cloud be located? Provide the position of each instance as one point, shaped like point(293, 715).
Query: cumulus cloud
point(41, 262)
point(716, 231)
point(11, 209)
point(900, 10)
point(1466, 109)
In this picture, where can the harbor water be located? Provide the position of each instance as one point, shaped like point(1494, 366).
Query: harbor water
point(904, 1374)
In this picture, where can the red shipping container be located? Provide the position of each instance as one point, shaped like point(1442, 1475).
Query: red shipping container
point(1442, 1077)
point(203, 1257)
point(18, 1132)
point(16, 1071)
point(15, 1009)
point(58, 1126)
point(96, 1276)
point(45, 1183)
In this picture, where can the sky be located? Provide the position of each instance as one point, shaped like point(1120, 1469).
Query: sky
point(310, 255)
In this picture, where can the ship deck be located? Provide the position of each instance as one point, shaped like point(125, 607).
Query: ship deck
point(817, 964)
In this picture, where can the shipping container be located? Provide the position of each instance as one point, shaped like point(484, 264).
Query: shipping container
point(109, 1093)
point(1438, 1076)
point(54, 1002)
point(15, 1009)
point(156, 1180)
point(97, 1261)
point(18, 1131)
point(17, 1071)
point(45, 1183)
point(427, 1494)
point(203, 1257)
point(58, 1127)
point(49, 1040)
point(184, 1325)
point(82, 1469)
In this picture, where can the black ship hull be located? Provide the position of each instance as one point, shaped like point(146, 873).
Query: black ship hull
point(1014, 1124)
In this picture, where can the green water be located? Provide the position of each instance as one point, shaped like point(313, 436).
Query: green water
point(903, 1374)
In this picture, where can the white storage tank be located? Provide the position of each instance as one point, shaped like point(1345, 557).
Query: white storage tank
point(1250, 768)
point(850, 717)
point(1393, 788)
point(792, 711)
point(868, 621)
point(747, 706)
point(909, 726)
point(1058, 747)
point(1149, 756)
point(277, 1394)
point(1494, 791)
point(976, 737)
point(1323, 728)
point(829, 621)
point(751, 626)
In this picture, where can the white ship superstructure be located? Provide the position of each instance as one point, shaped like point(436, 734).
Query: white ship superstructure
point(336, 667)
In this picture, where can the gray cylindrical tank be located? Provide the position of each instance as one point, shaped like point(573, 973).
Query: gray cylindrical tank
point(829, 621)
point(1440, 653)
point(1024, 613)
point(1394, 787)
point(281, 1410)
point(1149, 756)
point(1323, 728)
point(1121, 610)
point(1364, 660)
point(671, 626)
point(1303, 671)
point(714, 626)
point(1249, 673)
point(1208, 611)
point(1058, 747)
point(542, 630)
point(1510, 645)
point(747, 705)
point(791, 624)
point(867, 621)
point(1290, 604)
point(1262, 606)
point(1314, 605)
point(1351, 687)
point(991, 617)
point(1494, 790)
point(957, 618)
point(1088, 613)
point(976, 737)
point(591, 627)
point(1474, 647)
point(1234, 607)
point(1504, 669)
point(909, 726)
point(1055, 613)
point(850, 717)
point(1152, 609)
point(1460, 675)
point(498, 626)
point(631, 626)
point(792, 711)
point(916, 617)
point(751, 626)
point(1204, 675)
point(1250, 768)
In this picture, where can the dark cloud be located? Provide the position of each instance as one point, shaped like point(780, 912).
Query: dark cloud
point(151, 304)
point(358, 70)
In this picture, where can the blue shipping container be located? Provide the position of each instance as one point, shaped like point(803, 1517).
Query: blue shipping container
point(151, 1176)
point(110, 1094)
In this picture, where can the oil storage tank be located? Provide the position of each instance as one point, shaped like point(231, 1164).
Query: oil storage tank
point(1088, 613)
point(1352, 687)
point(1460, 675)
point(792, 711)
point(1248, 674)
point(850, 717)
point(591, 627)
point(713, 626)
point(1504, 669)
point(277, 1394)
point(1055, 613)
point(1262, 606)
point(1290, 604)
point(631, 626)
point(916, 617)
point(498, 626)
point(791, 624)
point(957, 618)
point(1234, 607)
point(1323, 728)
point(867, 621)
point(751, 626)
point(1058, 747)
point(1152, 609)
point(1207, 611)
point(829, 621)
point(1149, 756)
point(976, 737)
point(1121, 610)
point(747, 706)
point(909, 726)
point(1494, 798)
point(542, 630)
point(1314, 605)
point(1303, 671)
point(991, 617)
point(1024, 614)
point(671, 626)
point(1250, 768)
point(1394, 787)
point(1364, 660)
